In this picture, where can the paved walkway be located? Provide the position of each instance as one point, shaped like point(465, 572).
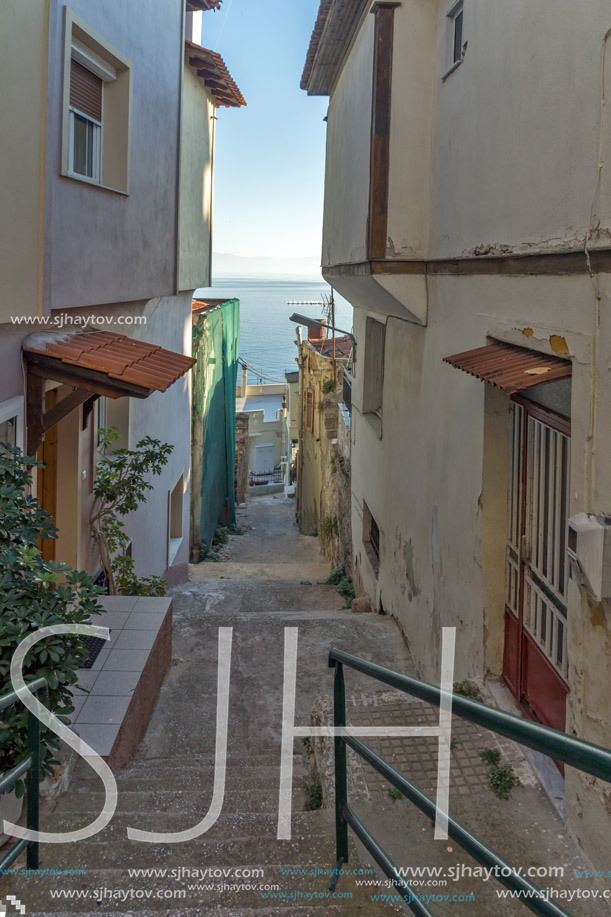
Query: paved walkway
point(267, 580)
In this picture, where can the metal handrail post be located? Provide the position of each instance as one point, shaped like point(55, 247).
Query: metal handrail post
point(33, 781)
point(341, 777)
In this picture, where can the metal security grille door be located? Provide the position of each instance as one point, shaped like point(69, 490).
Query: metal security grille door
point(535, 661)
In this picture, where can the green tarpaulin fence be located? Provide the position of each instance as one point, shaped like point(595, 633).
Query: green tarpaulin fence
point(216, 334)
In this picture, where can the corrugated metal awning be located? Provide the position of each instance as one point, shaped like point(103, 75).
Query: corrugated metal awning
point(512, 369)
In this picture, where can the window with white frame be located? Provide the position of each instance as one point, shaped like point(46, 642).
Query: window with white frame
point(86, 106)
point(96, 125)
point(455, 41)
point(11, 422)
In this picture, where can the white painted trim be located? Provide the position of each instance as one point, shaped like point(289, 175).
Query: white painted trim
point(14, 407)
point(92, 61)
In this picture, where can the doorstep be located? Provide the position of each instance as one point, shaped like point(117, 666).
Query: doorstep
point(124, 681)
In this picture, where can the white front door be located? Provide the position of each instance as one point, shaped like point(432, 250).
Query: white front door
point(264, 458)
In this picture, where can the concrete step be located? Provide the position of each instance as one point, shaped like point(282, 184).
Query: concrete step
point(163, 778)
point(308, 593)
point(301, 910)
point(260, 571)
point(276, 549)
point(175, 805)
point(238, 896)
point(115, 850)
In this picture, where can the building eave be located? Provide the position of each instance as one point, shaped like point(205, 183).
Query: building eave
point(335, 28)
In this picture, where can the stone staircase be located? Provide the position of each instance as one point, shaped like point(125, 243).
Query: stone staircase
point(267, 580)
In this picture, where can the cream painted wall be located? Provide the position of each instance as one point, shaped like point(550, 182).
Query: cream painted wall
point(427, 499)
point(196, 159)
point(111, 247)
point(410, 138)
point(163, 415)
point(23, 61)
point(348, 155)
point(516, 127)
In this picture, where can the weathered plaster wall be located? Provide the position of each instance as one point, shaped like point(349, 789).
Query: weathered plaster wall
point(515, 151)
point(110, 247)
point(348, 138)
point(410, 137)
point(23, 56)
point(195, 214)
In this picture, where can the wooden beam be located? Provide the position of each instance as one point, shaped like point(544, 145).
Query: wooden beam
point(35, 400)
point(64, 407)
point(539, 264)
point(95, 382)
point(379, 165)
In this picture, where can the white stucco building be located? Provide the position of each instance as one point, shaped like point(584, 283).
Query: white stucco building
point(465, 210)
point(108, 124)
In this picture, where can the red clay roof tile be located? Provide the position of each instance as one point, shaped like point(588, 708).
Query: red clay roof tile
point(217, 79)
point(116, 355)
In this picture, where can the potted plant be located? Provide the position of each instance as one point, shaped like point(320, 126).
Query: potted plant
point(34, 593)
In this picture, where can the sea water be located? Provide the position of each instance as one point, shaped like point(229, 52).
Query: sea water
point(267, 337)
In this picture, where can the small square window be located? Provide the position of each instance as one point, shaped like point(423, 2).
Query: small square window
point(371, 539)
point(455, 34)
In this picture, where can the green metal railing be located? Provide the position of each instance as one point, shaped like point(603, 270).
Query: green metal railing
point(31, 767)
point(592, 759)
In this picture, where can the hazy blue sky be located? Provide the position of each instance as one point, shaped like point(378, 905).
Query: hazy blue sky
point(269, 166)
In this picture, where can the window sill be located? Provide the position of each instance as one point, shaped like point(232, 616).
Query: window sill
point(454, 67)
point(174, 545)
point(375, 422)
point(95, 184)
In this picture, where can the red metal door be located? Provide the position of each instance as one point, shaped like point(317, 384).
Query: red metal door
point(535, 658)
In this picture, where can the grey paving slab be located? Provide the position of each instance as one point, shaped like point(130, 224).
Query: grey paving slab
point(104, 710)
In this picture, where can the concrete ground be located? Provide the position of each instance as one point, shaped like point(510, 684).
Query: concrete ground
point(267, 580)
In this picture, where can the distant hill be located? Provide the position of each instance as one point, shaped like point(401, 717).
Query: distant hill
point(226, 265)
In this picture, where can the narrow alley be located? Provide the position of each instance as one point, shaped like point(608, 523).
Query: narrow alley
point(268, 579)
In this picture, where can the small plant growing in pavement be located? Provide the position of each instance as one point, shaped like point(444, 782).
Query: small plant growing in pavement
point(313, 791)
point(501, 777)
point(490, 756)
point(394, 794)
point(307, 744)
point(35, 593)
point(120, 487)
point(502, 780)
point(468, 689)
point(343, 583)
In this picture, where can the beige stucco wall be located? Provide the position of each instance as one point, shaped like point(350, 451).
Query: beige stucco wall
point(163, 415)
point(262, 432)
point(196, 161)
point(348, 137)
point(23, 61)
point(110, 247)
point(440, 490)
point(516, 127)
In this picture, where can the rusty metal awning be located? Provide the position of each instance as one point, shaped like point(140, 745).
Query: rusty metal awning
point(512, 369)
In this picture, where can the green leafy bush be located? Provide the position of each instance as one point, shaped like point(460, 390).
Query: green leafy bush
point(120, 487)
point(35, 593)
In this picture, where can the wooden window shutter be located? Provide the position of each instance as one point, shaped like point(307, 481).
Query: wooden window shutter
point(85, 91)
point(309, 411)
